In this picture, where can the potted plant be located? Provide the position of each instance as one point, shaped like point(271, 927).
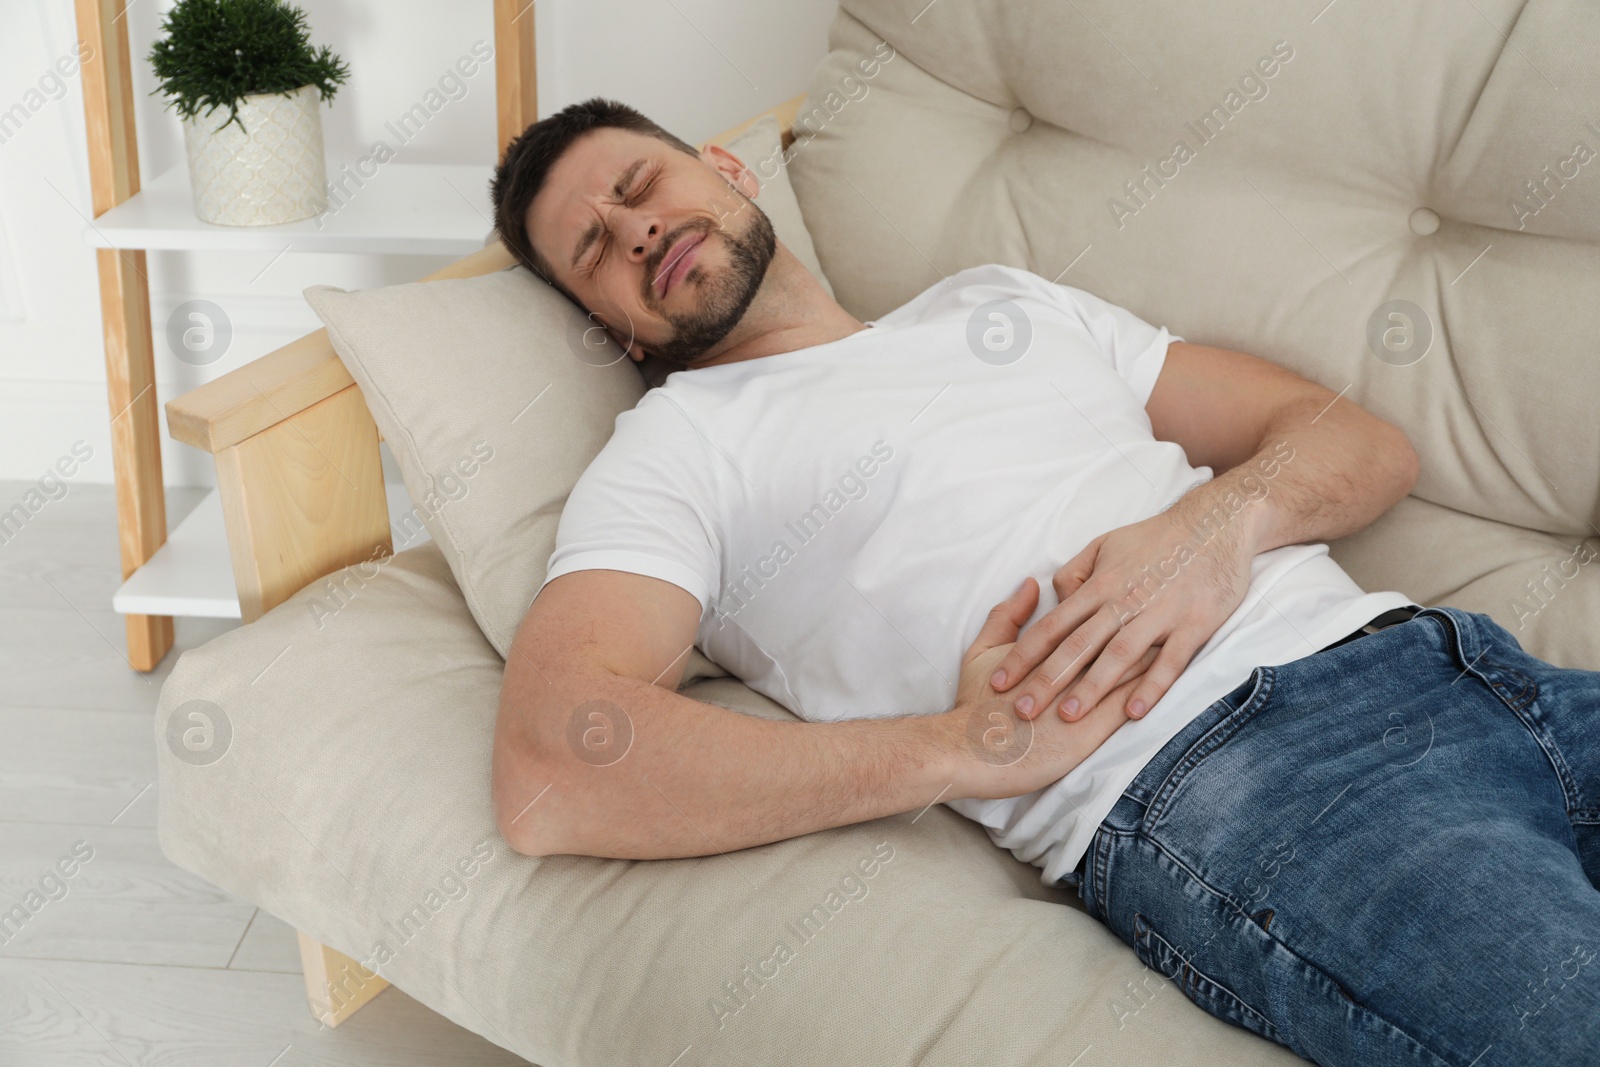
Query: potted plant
point(263, 163)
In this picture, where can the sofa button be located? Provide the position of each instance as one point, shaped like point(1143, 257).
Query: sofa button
point(1020, 119)
point(1424, 221)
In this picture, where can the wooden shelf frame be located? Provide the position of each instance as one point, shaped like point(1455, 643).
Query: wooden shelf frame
point(125, 314)
point(113, 148)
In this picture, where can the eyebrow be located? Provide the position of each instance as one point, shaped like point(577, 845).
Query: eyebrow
point(592, 234)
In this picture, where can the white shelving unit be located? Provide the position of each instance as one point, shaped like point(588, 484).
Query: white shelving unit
point(397, 209)
point(191, 575)
point(402, 209)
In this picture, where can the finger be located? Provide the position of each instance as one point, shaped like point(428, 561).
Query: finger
point(1073, 655)
point(1143, 664)
point(1124, 688)
point(1073, 573)
point(1121, 651)
point(1006, 618)
point(1042, 639)
point(1175, 656)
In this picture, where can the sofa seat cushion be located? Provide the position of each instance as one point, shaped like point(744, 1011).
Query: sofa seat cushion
point(348, 794)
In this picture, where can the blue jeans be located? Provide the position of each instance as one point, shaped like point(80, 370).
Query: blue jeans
point(1385, 853)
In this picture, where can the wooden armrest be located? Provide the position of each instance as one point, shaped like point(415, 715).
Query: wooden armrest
point(262, 393)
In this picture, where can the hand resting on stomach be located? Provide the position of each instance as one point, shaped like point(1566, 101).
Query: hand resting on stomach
point(1001, 755)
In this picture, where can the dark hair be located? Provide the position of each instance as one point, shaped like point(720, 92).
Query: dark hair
point(531, 154)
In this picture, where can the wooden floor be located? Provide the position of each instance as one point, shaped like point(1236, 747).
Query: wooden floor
point(139, 962)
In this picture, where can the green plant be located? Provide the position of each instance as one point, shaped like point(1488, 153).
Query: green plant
point(216, 52)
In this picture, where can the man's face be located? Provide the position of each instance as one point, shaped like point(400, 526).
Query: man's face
point(653, 241)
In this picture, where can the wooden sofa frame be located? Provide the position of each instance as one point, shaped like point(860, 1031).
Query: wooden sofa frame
point(301, 484)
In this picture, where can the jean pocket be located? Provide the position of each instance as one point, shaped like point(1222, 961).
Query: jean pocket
point(1161, 956)
point(1223, 719)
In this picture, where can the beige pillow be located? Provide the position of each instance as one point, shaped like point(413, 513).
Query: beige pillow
point(494, 399)
point(491, 410)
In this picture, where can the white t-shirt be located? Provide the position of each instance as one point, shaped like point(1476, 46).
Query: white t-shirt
point(848, 513)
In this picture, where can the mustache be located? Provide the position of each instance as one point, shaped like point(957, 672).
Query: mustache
point(653, 266)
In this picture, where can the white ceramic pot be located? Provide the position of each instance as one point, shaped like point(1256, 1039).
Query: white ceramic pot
point(269, 172)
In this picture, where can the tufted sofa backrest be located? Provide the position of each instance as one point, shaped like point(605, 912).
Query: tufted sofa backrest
point(1401, 202)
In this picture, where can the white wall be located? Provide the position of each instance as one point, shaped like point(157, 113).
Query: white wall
point(696, 66)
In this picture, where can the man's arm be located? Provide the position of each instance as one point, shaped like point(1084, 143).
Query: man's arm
point(1232, 412)
point(596, 753)
point(1294, 463)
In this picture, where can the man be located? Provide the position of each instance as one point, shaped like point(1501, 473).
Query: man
point(1372, 842)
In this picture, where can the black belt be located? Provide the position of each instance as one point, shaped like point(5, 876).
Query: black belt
point(1392, 617)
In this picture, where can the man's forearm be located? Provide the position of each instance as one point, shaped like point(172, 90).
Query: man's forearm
point(1322, 471)
point(697, 779)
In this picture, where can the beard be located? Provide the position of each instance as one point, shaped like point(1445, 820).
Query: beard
point(724, 296)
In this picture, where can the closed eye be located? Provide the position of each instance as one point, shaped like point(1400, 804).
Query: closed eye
point(632, 200)
point(645, 186)
point(594, 260)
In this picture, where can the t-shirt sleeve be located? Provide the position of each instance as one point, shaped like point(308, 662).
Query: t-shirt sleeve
point(1136, 349)
point(644, 505)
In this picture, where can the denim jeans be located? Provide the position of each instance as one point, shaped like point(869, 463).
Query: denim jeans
point(1384, 853)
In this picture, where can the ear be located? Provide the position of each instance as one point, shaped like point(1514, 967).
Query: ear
point(732, 168)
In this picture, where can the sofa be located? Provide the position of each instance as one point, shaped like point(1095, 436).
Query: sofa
point(1401, 203)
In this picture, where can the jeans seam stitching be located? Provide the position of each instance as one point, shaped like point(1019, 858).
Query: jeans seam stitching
point(1140, 919)
point(1345, 995)
point(1100, 864)
point(1558, 763)
point(1095, 875)
point(1244, 917)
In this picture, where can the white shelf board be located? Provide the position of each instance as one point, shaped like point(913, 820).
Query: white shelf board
point(192, 575)
point(401, 209)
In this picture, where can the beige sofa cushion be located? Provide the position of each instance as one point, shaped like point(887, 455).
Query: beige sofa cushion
point(1365, 168)
point(495, 392)
point(353, 798)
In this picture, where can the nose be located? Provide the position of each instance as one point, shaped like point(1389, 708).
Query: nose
point(639, 232)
